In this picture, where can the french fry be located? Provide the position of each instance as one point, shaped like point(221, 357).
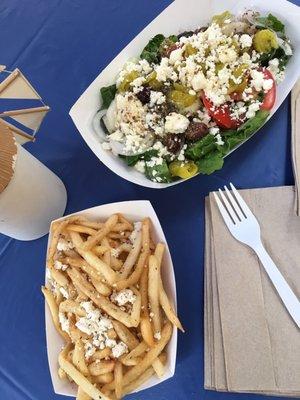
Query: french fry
point(56, 230)
point(144, 377)
point(134, 353)
point(101, 301)
point(146, 327)
point(104, 378)
point(78, 358)
point(101, 287)
point(101, 367)
point(163, 298)
point(153, 292)
point(84, 266)
point(96, 238)
point(71, 306)
point(125, 335)
point(147, 361)
point(53, 307)
point(103, 264)
point(81, 395)
point(136, 308)
point(81, 229)
point(118, 376)
point(158, 367)
point(58, 276)
point(61, 374)
point(146, 331)
point(79, 379)
point(92, 259)
point(100, 354)
point(132, 257)
point(100, 250)
point(116, 264)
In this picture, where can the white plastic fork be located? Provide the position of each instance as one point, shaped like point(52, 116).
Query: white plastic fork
point(244, 227)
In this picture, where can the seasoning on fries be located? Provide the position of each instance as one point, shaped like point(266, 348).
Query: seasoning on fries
point(107, 300)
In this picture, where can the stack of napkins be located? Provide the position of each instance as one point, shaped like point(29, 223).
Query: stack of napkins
point(295, 113)
point(251, 342)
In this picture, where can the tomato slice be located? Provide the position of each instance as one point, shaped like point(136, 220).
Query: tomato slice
point(270, 96)
point(221, 115)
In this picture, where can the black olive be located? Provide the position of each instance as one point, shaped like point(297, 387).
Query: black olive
point(186, 34)
point(144, 95)
point(173, 142)
point(195, 131)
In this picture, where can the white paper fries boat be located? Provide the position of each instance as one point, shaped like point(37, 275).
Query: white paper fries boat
point(135, 211)
point(181, 15)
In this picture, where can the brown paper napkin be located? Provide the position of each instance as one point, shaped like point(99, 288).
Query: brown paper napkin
point(295, 114)
point(251, 342)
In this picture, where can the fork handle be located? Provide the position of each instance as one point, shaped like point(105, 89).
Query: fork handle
point(288, 297)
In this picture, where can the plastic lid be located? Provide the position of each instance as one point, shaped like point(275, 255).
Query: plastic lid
point(8, 155)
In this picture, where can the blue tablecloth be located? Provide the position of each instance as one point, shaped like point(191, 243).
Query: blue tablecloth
point(61, 45)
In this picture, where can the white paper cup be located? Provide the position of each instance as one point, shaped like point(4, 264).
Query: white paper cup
point(33, 198)
point(135, 211)
point(181, 15)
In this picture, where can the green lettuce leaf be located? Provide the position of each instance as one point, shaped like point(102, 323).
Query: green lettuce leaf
point(209, 156)
point(132, 160)
point(160, 171)
point(151, 51)
point(210, 163)
point(107, 94)
point(272, 22)
point(200, 148)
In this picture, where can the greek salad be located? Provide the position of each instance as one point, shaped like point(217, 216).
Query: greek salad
point(189, 99)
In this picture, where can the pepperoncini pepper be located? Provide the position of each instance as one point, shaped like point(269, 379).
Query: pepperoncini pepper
point(128, 78)
point(264, 41)
point(183, 170)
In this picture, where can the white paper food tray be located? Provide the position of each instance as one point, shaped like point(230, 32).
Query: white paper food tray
point(181, 15)
point(135, 211)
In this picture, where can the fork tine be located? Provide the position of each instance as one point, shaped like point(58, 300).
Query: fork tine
point(234, 204)
point(223, 211)
point(229, 207)
point(246, 210)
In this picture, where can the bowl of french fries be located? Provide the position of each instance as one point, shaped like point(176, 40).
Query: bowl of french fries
point(110, 294)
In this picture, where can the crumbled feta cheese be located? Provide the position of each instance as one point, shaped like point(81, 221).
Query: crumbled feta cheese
point(246, 40)
point(64, 292)
point(96, 325)
point(214, 130)
point(219, 140)
point(123, 297)
point(64, 245)
point(164, 71)
point(119, 349)
point(106, 146)
point(157, 335)
point(89, 349)
point(151, 315)
point(131, 124)
point(137, 82)
point(60, 265)
point(136, 231)
point(156, 98)
point(140, 166)
point(64, 322)
point(114, 252)
point(176, 123)
point(181, 156)
point(176, 55)
point(274, 68)
point(199, 81)
point(252, 109)
point(259, 82)
point(227, 54)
